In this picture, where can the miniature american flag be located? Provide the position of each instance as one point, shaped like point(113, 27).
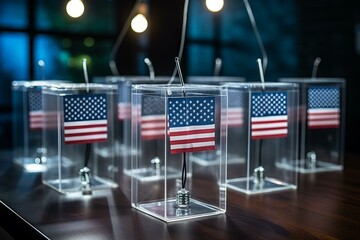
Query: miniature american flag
point(269, 115)
point(191, 124)
point(153, 120)
point(85, 118)
point(36, 113)
point(323, 107)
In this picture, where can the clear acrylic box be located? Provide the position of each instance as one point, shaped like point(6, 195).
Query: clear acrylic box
point(171, 123)
point(27, 123)
point(322, 124)
point(212, 159)
point(263, 130)
point(83, 122)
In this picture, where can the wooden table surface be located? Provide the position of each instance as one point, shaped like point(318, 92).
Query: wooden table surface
point(324, 206)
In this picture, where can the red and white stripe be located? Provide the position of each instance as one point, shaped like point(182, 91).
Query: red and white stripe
point(192, 138)
point(85, 131)
point(269, 127)
point(323, 118)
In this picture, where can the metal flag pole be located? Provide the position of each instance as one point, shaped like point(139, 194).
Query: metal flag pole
point(41, 64)
point(217, 68)
point(151, 68)
point(315, 68)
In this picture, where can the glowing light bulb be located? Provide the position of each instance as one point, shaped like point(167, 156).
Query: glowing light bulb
point(75, 8)
point(139, 23)
point(214, 5)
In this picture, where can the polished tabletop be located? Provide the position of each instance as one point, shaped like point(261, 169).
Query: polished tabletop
point(325, 205)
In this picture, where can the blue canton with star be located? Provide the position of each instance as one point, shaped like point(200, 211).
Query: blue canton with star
point(323, 97)
point(85, 107)
point(190, 111)
point(265, 104)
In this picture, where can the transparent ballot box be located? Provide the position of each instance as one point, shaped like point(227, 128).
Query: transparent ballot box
point(83, 122)
point(322, 124)
point(265, 134)
point(28, 120)
point(171, 123)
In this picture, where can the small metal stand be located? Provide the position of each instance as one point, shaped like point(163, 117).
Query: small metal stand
point(84, 175)
point(311, 159)
point(183, 198)
point(40, 156)
point(156, 165)
point(259, 175)
point(182, 202)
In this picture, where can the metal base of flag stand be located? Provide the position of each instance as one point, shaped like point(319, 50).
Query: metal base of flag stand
point(85, 179)
point(183, 199)
point(250, 186)
point(311, 159)
point(259, 176)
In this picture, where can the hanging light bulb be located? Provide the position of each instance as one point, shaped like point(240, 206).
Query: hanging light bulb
point(139, 23)
point(75, 8)
point(214, 5)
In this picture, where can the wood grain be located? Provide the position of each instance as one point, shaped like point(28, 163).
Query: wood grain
point(324, 206)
